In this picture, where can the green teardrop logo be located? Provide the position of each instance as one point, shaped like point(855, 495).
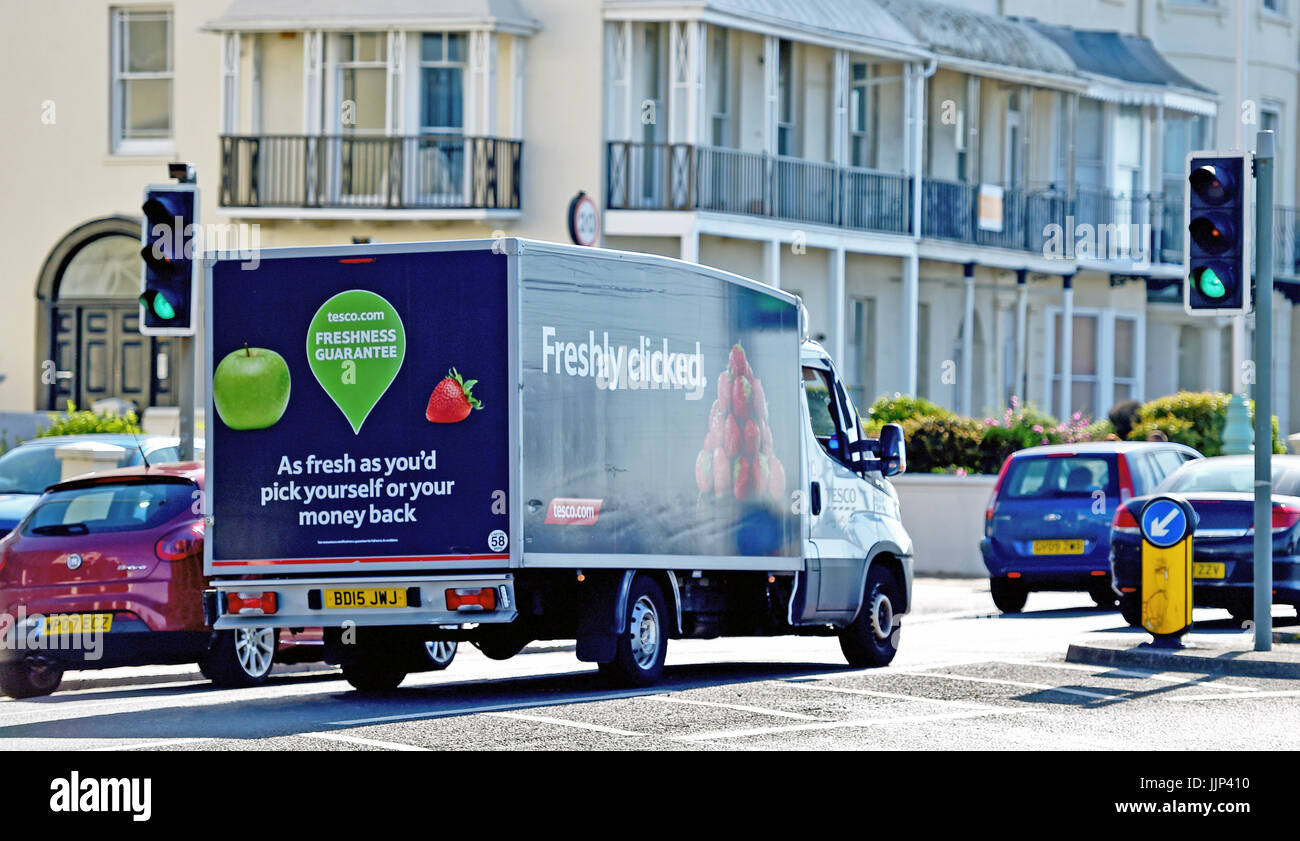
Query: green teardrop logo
point(355, 346)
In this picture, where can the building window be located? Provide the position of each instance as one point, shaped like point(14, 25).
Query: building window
point(923, 351)
point(1191, 359)
point(1126, 385)
point(142, 81)
point(1270, 119)
point(442, 83)
point(363, 83)
point(1081, 356)
point(1274, 6)
point(863, 109)
point(859, 364)
point(719, 87)
point(1089, 149)
point(785, 136)
point(1106, 361)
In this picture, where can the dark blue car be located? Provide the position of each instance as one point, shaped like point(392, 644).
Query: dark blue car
point(1047, 526)
point(1222, 490)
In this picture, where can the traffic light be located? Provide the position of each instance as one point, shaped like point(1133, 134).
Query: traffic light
point(168, 279)
point(1216, 250)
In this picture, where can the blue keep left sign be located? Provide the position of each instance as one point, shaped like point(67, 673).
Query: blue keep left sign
point(1164, 522)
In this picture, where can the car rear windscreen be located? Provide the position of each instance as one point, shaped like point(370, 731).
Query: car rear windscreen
point(96, 509)
point(1222, 476)
point(1050, 477)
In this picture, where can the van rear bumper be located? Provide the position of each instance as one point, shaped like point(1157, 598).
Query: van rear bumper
point(301, 602)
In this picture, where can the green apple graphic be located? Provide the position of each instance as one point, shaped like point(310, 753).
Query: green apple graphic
point(251, 388)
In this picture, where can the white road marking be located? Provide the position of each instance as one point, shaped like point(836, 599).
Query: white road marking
point(357, 740)
point(857, 722)
point(808, 683)
point(738, 707)
point(1125, 672)
point(1022, 684)
point(580, 725)
point(143, 745)
point(1209, 696)
point(490, 708)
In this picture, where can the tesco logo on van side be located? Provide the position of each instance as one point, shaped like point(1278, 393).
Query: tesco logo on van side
point(564, 511)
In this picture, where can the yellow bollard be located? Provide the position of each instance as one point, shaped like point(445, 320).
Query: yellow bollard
point(1167, 524)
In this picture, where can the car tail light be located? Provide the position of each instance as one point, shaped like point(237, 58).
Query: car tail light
point(251, 604)
point(1125, 480)
point(184, 542)
point(997, 486)
point(473, 598)
point(1124, 521)
point(1285, 516)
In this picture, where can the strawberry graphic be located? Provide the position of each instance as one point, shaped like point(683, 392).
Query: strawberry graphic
point(737, 364)
point(752, 437)
point(762, 473)
point(721, 471)
point(776, 483)
point(766, 445)
point(731, 440)
point(759, 401)
point(741, 394)
point(704, 471)
point(741, 478)
point(724, 392)
point(451, 401)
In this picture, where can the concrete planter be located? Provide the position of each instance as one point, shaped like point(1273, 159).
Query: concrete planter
point(944, 514)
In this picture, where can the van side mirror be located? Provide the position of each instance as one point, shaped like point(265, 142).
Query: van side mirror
point(892, 450)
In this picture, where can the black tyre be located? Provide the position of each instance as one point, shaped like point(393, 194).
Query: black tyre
point(1009, 596)
point(242, 657)
point(441, 653)
point(373, 675)
point(1103, 596)
point(29, 678)
point(1130, 607)
point(1241, 614)
point(496, 645)
point(872, 639)
point(643, 643)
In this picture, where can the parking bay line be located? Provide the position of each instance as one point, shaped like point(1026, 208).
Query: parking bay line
point(857, 722)
point(737, 707)
point(580, 725)
point(491, 708)
point(1101, 696)
point(142, 745)
point(811, 683)
point(357, 740)
point(1120, 671)
point(1281, 693)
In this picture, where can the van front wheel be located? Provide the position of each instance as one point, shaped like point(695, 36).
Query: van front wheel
point(872, 639)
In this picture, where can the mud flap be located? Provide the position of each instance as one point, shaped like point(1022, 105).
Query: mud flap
point(598, 623)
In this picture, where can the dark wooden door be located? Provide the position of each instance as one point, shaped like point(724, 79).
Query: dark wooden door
point(99, 353)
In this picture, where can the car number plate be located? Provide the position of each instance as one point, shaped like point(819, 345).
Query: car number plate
point(1058, 547)
point(1205, 569)
point(365, 597)
point(78, 623)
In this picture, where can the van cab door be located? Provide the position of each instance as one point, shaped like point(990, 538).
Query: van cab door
point(839, 499)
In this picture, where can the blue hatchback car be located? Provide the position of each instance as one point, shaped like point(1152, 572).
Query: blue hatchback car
point(1047, 525)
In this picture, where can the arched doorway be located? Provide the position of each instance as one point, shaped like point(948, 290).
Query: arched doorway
point(88, 337)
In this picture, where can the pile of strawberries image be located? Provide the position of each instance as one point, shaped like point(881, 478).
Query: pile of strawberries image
point(737, 458)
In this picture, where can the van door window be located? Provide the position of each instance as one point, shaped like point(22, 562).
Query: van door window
point(824, 412)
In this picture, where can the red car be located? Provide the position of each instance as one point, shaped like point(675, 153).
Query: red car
point(106, 570)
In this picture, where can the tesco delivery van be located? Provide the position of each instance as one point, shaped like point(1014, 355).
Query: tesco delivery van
point(506, 441)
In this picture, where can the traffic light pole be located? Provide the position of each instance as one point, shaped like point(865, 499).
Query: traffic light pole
point(1263, 391)
point(185, 347)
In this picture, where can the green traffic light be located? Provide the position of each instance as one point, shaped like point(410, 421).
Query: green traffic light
point(158, 303)
point(1210, 284)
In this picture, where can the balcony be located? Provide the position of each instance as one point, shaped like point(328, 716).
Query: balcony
point(433, 174)
point(678, 176)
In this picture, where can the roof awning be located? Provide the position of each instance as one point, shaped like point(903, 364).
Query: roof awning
point(349, 15)
point(843, 24)
point(1128, 69)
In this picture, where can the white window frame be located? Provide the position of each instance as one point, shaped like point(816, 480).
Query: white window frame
point(787, 86)
point(1105, 377)
point(719, 119)
point(464, 66)
point(119, 145)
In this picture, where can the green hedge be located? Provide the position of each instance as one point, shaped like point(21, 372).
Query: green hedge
point(84, 421)
point(938, 441)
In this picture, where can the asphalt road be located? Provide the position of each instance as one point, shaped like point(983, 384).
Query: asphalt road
point(965, 678)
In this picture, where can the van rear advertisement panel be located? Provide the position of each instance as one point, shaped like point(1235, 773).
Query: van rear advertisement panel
point(358, 412)
point(660, 412)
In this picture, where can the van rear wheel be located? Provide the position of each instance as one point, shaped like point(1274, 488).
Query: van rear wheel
point(872, 639)
point(1009, 596)
point(643, 642)
point(373, 675)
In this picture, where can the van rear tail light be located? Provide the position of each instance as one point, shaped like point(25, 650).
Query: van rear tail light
point(1285, 516)
point(997, 486)
point(1124, 521)
point(251, 604)
point(1125, 479)
point(472, 598)
point(184, 542)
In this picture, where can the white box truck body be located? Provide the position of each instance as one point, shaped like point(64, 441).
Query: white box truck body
point(504, 441)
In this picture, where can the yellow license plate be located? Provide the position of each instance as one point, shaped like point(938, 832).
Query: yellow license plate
point(1204, 569)
point(1058, 547)
point(365, 598)
point(78, 623)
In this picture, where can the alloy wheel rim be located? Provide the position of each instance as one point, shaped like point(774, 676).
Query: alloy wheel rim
point(440, 651)
point(254, 648)
point(882, 616)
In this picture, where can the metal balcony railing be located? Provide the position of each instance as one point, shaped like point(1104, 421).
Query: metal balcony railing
point(370, 172)
point(678, 176)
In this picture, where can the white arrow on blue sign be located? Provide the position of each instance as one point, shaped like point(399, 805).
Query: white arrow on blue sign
point(1164, 523)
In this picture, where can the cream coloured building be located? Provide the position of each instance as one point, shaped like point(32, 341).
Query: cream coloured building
point(898, 163)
